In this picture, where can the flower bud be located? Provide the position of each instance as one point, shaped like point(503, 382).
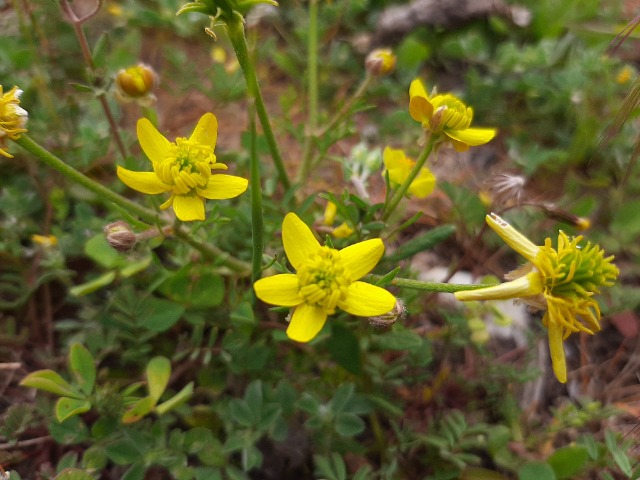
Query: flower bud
point(120, 236)
point(135, 84)
point(13, 118)
point(380, 61)
point(386, 320)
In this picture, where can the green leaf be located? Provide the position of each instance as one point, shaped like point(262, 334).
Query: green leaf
point(619, 455)
point(309, 404)
point(95, 457)
point(98, 249)
point(50, 381)
point(125, 452)
point(158, 314)
point(83, 367)
point(135, 472)
point(74, 474)
point(348, 424)
point(158, 373)
point(69, 432)
point(536, 471)
point(131, 268)
point(93, 285)
point(397, 340)
point(68, 407)
point(568, 461)
point(194, 286)
point(138, 410)
point(178, 399)
point(344, 348)
point(341, 397)
point(423, 242)
point(241, 413)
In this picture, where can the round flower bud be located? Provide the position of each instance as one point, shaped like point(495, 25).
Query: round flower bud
point(135, 84)
point(380, 61)
point(120, 236)
point(389, 318)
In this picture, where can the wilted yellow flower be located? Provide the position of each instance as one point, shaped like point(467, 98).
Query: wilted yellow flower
point(562, 281)
point(326, 279)
point(136, 84)
point(183, 168)
point(13, 118)
point(399, 166)
point(380, 61)
point(446, 114)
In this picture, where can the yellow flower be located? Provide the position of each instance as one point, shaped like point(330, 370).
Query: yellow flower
point(326, 279)
point(13, 118)
point(399, 166)
point(341, 231)
point(446, 114)
point(184, 169)
point(45, 241)
point(624, 75)
point(562, 281)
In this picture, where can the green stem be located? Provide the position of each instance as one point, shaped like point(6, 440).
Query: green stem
point(257, 222)
point(108, 197)
point(431, 286)
point(235, 29)
point(399, 193)
point(312, 91)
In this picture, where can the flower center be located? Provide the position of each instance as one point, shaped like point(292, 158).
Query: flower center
point(450, 114)
point(322, 281)
point(187, 166)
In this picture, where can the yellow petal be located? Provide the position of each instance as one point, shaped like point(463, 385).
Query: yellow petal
point(188, 207)
point(306, 322)
point(527, 286)
point(206, 132)
point(471, 137)
point(420, 107)
point(366, 300)
point(279, 290)
point(513, 237)
point(557, 352)
point(145, 182)
point(221, 187)
point(298, 240)
point(423, 185)
point(153, 144)
point(360, 258)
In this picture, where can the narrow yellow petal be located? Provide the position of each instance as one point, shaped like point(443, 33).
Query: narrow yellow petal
point(513, 237)
point(153, 144)
point(527, 286)
point(472, 137)
point(360, 258)
point(306, 322)
point(188, 207)
point(279, 290)
point(556, 350)
point(366, 300)
point(145, 182)
point(420, 107)
point(221, 187)
point(206, 131)
point(298, 240)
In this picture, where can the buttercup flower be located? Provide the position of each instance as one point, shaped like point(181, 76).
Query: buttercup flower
point(183, 168)
point(341, 231)
point(326, 279)
point(562, 281)
point(13, 118)
point(446, 114)
point(399, 166)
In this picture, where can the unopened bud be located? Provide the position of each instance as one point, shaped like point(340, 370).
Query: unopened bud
point(380, 61)
point(120, 236)
point(386, 320)
point(136, 84)
point(552, 211)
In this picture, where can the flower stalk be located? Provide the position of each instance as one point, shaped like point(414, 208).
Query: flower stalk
point(235, 29)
